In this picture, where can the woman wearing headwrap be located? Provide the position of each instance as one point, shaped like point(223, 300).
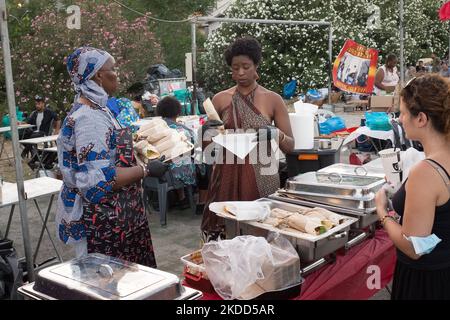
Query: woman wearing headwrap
point(100, 206)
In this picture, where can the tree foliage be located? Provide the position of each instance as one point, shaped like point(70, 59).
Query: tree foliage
point(301, 52)
point(38, 59)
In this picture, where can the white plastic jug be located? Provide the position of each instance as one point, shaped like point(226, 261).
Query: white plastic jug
point(302, 125)
point(301, 107)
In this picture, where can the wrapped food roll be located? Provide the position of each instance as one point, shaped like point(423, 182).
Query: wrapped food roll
point(210, 110)
point(280, 213)
point(275, 222)
point(179, 149)
point(326, 214)
point(153, 123)
point(148, 151)
point(305, 224)
point(153, 130)
point(169, 143)
point(158, 136)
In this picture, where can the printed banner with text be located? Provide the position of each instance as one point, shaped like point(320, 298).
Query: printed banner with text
point(355, 67)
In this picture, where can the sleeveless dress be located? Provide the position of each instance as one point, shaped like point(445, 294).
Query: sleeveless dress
point(239, 181)
point(429, 276)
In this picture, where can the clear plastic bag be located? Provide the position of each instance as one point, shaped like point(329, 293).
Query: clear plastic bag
point(247, 266)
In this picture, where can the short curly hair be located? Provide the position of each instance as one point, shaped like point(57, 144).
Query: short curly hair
point(430, 94)
point(245, 46)
point(168, 107)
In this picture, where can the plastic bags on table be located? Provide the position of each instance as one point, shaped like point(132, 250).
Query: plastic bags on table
point(235, 267)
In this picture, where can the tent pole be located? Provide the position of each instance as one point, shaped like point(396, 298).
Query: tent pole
point(330, 62)
point(402, 48)
point(194, 66)
point(15, 139)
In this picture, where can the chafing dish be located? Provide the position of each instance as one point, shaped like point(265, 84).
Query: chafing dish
point(365, 217)
point(353, 192)
point(309, 247)
point(99, 277)
point(351, 169)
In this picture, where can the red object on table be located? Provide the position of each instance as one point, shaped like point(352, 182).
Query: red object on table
point(444, 12)
point(349, 276)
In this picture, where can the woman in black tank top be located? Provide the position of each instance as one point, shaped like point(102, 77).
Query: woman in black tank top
point(423, 200)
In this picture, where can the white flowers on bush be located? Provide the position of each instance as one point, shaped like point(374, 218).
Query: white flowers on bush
point(302, 51)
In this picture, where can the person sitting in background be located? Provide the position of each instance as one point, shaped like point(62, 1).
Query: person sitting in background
point(436, 63)
point(149, 102)
point(420, 68)
point(42, 118)
point(410, 72)
point(122, 109)
point(444, 70)
point(183, 168)
point(387, 77)
point(138, 106)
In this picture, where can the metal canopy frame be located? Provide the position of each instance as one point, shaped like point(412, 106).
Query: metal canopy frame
point(197, 20)
point(15, 139)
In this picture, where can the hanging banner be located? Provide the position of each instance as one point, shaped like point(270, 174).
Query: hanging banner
point(444, 11)
point(355, 67)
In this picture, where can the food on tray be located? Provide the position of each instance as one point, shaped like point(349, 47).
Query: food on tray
point(162, 134)
point(170, 141)
point(156, 139)
point(313, 221)
point(275, 222)
point(305, 224)
point(196, 257)
point(146, 150)
point(210, 110)
point(153, 123)
point(280, 213)
point(325, 214)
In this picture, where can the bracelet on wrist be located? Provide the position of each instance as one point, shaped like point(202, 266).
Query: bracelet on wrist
point(383, 220)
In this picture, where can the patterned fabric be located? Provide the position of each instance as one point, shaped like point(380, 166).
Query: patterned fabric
point(183, 168)
point(82, 65)
point(238, 182)
point(120, 229)
point(123, 110)
point(86, 156)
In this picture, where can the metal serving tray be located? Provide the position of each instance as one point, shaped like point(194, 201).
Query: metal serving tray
point(356, 193)
point(335, 184)
point(30, 293)
point(309, 247)
point(350, 169)
point(99, 277)
point(365, 217)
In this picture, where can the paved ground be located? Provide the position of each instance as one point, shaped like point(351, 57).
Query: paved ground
point(180, 237)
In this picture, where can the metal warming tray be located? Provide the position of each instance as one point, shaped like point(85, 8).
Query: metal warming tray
point(309, 247)
point(365, 217)
point(353, 192)
point(99, 277)
point(342, 168)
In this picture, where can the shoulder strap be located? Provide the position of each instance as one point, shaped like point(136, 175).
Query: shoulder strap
point(442, 172)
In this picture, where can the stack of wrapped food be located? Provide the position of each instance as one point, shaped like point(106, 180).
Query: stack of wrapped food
point(155, 139)
point(314, 221)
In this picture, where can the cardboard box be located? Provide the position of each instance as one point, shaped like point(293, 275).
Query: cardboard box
point(381, 103)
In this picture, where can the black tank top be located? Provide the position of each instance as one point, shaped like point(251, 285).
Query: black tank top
point(439, 258)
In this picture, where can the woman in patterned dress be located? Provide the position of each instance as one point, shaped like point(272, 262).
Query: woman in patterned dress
point(100, 207)
point(242, 107)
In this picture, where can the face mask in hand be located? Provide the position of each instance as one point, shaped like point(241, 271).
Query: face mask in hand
point(423, 245)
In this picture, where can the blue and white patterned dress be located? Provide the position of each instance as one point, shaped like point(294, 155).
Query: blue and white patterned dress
point(86, 155)
point(113, 222)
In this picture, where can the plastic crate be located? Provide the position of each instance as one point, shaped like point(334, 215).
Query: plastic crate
point(195, 273)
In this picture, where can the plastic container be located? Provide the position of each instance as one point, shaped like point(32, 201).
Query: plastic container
point(302, 161)
point(302, 125)
point(195, 273)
